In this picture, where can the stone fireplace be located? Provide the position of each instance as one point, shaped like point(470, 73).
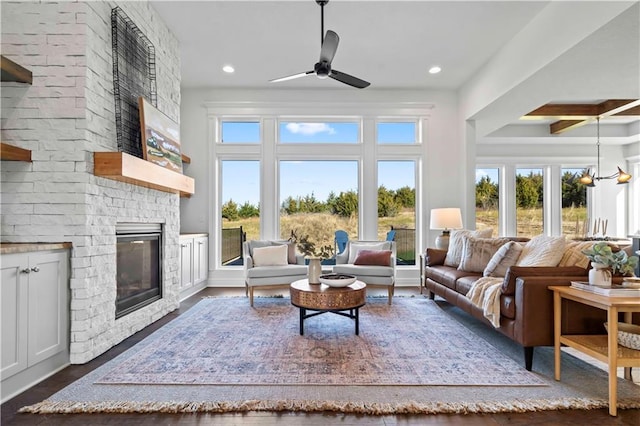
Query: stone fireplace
point(138, 266)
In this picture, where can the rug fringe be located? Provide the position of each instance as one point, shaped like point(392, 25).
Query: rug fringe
point(370, 408)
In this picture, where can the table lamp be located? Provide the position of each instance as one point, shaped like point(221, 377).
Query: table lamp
point(445, 219)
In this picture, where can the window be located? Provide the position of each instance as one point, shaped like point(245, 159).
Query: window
point(318, 198)
point(397, 208)
point(574, 203)
point(396, 132)
point(319, 132)
point(240, 132)
point(487, 199)
point(529, 205)
point(240, 183)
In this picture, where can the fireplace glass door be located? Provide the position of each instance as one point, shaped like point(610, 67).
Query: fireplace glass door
point(138, 272)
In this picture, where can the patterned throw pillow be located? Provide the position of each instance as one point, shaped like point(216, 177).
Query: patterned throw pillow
point(477, 252)
point(506, 256)
point(573, 255)
point(454, 252)
point(542, 250)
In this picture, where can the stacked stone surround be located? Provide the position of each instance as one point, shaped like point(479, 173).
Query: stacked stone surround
point(63, 117)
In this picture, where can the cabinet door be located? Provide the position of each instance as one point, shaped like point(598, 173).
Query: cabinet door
point(48, 305)
point(186, 263)
point(201, 269)
point(14, 313)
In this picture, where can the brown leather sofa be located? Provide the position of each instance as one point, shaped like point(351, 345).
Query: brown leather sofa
point(526, 305)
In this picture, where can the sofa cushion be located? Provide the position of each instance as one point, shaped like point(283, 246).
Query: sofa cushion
point(270, 256)
point(542, 250)
point(354, 248)
point(373, 257)
point(454, 252)
point(573, 255)
point(464, 284)
point(506, 256)
point(477, 252)
point(447, 275)
point(435, 256)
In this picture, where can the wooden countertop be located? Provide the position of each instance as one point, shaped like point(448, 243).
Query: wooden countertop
point(9, 248)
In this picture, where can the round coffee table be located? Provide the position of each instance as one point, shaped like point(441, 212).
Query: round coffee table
point(321, 298)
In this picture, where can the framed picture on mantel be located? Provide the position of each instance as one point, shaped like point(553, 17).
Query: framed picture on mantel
point(160, 137)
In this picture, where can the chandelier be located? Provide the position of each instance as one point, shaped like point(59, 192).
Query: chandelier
point(589, 179)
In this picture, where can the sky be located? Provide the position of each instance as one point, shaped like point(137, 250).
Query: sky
point(241, 179)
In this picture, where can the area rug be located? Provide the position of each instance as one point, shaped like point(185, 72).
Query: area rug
point(223, 341)
point(411, 357)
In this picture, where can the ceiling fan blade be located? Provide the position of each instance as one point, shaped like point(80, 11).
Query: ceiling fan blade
point(291, 77)
point(348, 79)
point(329, 46)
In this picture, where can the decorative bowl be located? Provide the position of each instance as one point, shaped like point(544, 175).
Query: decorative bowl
point(337, 280)
point(628, 335)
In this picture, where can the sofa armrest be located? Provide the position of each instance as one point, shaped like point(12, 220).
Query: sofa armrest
point(434, 257)
point(514, 272)
point(534, 311)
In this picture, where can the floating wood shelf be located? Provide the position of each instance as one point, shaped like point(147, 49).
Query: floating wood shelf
point(127, 168)
point(13, 72)
point(13, 153)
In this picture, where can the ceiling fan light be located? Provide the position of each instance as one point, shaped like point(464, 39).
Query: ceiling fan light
point(623, 177)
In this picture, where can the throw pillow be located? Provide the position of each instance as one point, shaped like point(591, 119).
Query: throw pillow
point(506, 256)
point(454, 252)
point(573, 255)
point(477, 252)
point(354, 248)
point(542, 250)
point(270, 256)
point(373, 257)
point(291, 250)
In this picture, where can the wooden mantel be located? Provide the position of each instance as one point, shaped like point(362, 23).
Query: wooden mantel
point(127, 168)
point(13, 72)
point(14, 153)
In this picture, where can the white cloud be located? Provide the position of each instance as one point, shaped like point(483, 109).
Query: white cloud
point(310, 129)
point(480, 174)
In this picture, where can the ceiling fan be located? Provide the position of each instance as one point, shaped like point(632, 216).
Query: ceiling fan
point(322, 68)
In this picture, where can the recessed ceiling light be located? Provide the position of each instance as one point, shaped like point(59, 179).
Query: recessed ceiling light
point(435, 70)
point(228, 68)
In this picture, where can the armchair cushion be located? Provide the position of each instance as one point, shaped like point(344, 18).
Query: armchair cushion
point(270, 256)
point(354, 248)
point(373, 257)
point(291, 248)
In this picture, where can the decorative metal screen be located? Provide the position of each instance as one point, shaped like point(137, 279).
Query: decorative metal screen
point(134, 75)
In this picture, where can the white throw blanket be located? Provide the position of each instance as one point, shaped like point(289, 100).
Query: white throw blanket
point(485, 293)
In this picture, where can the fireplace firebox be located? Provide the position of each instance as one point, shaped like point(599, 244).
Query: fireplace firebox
point(138, 267)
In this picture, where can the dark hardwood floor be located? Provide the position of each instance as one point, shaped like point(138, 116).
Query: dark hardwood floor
point(46, 388)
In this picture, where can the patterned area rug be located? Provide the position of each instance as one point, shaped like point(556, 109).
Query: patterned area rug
point(223, 341)
point(429, 357)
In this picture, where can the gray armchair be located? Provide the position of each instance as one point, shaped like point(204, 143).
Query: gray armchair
point(270, 276)
point(370, 274)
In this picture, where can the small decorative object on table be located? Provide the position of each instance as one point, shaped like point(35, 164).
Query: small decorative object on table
point(337, 280)
point(315, 255)
point(606, 263)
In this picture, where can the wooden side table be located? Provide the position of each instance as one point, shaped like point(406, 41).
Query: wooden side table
point(320, 298)
point(604, 348)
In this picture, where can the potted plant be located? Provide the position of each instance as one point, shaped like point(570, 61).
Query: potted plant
point(313, 253)
point(606, 263)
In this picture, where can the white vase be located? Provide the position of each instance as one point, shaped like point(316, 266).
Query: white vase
point(599, 274)
point(315, 269)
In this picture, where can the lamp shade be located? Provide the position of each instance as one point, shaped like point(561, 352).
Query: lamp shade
point(447, 218)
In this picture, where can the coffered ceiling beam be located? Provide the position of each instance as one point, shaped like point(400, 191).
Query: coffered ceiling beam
point(575, 115)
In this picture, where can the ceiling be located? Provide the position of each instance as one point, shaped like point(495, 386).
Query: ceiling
point(391, 44)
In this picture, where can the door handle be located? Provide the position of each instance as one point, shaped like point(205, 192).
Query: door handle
point(25, 271)
point(35, 269)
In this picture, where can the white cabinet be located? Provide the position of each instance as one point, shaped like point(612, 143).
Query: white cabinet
point(35, 313)
point(193, 260)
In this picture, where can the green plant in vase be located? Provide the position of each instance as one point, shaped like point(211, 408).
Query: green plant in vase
point(601, 255)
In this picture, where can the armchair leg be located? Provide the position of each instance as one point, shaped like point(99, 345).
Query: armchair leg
point(251, 296)
point(390, 290)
